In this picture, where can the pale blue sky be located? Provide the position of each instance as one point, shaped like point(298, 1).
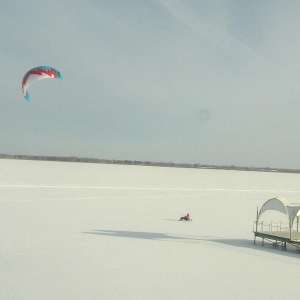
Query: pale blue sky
point(210, 82)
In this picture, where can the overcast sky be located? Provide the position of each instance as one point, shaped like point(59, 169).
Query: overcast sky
point(209, 82)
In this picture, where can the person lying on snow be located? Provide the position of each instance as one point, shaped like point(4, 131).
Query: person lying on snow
point(186, 218)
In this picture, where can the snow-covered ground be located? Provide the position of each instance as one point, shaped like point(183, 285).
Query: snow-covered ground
point(95, 231)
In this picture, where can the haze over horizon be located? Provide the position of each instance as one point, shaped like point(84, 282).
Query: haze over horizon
point(205, 82)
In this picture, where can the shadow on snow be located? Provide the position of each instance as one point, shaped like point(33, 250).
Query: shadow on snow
point(139, 235)
point(240, 243)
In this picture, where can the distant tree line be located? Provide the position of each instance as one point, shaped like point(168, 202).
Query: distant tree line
point(143, 163)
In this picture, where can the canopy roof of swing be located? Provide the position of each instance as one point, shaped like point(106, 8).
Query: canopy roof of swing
point(291, 210)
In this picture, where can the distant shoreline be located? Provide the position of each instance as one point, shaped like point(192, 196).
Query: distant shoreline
point(144, 163)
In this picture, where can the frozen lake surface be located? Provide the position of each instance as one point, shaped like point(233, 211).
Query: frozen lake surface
point(96, 231)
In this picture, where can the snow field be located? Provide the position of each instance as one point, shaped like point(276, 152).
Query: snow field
point(92, 231)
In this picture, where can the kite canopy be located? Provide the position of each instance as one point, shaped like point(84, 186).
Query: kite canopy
point(36, 74)
point(291, 210)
